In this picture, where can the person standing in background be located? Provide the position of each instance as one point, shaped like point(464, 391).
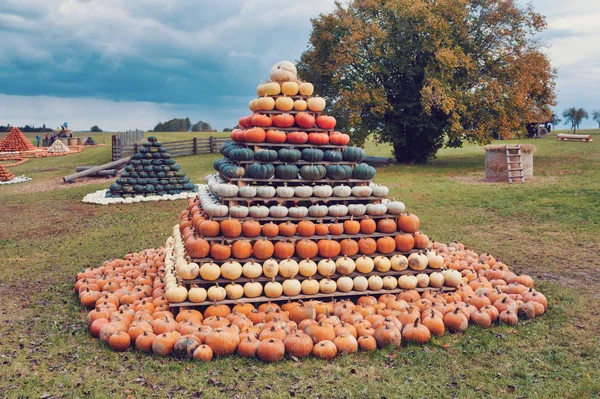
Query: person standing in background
point(38, 138)
point(46, 140)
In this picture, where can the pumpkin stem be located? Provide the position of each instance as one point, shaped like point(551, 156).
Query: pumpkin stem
point(416, 323)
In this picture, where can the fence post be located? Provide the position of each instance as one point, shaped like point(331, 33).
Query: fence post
point(211, 144)
point(135, 147)
point(195, 142)
point(114, 147)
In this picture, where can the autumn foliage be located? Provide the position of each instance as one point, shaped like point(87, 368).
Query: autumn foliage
point(421, 74)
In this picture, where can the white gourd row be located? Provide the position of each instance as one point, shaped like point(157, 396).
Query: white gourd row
point(99, 198)
point(15, 180)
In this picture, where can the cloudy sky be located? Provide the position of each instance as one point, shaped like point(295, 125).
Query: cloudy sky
point(130, 64)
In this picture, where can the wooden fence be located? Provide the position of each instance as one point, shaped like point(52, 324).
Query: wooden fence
point(180, 148)
point(128, 138)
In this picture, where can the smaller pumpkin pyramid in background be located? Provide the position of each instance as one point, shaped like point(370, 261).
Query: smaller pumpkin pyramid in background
point(5, 174)
point(151, 171)
point(16, 141)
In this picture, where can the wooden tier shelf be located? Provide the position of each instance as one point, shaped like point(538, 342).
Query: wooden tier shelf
point(297, 237)
point(324, 163)
point(296, 97)
point(299, 277)
point(292, 112)
point(319, 296)
point(291, 145)
point(311, 218)
point(297, 258)
point(276, 180)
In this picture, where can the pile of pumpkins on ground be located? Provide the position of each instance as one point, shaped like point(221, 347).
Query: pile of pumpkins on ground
point(15, 141)
point(6, 177)
point(58, 147)
point(151, 172)
point(128, 309)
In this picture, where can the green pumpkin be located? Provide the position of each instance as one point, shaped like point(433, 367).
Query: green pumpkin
point(354, 154)
point(312, 155)
point(175, 167)
point(261, 171)
point(266, 155)
point(189, 186)
point(169, 162)
point(153, 150)
point(313, 172)
point(146, 162)
point(219, 163)
point(142, 181)
point(164, 152)
point(242, 154)
point(286, 171)
point(363, 171)
point(134, 162)
point(333, 156)
point(156, 155)
point(157, 168)
point(232, 170)
point(289, 155)
point(157, 162)
point(147, 156)
point(147, 145)
point(115, 188)
point(149, 188)
point(152, 139)
point(157, 144)
point(338, 172)
point(227, 147)
point(142, 150)
point(138, 188)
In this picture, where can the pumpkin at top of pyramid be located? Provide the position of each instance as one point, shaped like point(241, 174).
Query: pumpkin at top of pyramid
point(283, 71)
point(16, 141)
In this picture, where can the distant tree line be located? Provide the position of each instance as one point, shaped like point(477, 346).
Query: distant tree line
point(27, 129)
point(95, 129)
point(182, 125)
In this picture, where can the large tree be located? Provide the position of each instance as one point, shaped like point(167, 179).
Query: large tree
point(420, 74)
point(95, 129)
point(201, 126)
point(574, 117)
point(596, 117)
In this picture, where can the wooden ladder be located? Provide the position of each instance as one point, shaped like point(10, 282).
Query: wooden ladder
point(514, 163)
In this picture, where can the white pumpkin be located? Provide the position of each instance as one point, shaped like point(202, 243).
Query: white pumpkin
point(216, 293)
point(422, 280)
point(226, 190)
point(234, 291)
point(326, 267)
point(239, 211)
point(318, 210)
point(417, 261)
point(271, 88)
point(216, 210)
point(357, 209)
point(327, 286)
point(434, 260)
point(361, 191)
point(360, 283)
point(376, 209)
point(390, 282)
point(290, 88)
point(322, 191)
point(382, 264)
point(364, 264)
point(231, 270)
point(345, 284)
point(399, 262)
point(452, 278)
point(252, 269)
point(260, 90)
point(210, 271)
point(288, 268)
point(266, 191)
point(247, 191)
point(273, 289)
point(300, 105)
point(197, 294)
point(189, 271)
point(283, 71)
point(338, 210)
point(375, 283)
point(253, 289)
point(316, 104)
point(303, 191)
point(284, 104)
point(298, 212)
point(395, 207)
point(176, 294)
point(345, 265)
point(278, 211)
point(436, 279)
point(310, 286)
point(270, 268)
point(379, 190)
point(291, 287)
point(259, 211)
point(407, 282)
point(307, 267)
point(306, 89)
point(285, 192)
point(342, 191)
point(266, 103)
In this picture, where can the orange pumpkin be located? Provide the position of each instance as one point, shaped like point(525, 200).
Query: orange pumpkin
point(287, 229)
point(197, 247)
point(368, 226)
point(251, 228)
point(386, 245)
point(408, 223)
point(336, 228)
point(209, 228)
point(404, 242)
point(329, 248)
point(284, 249)
point(231, 228)
point(367, 246)
point(421, 240)
point(348, 247)
point(386, 225)
point(220, 251)
point(263, 249)
point(351, 226)
point(255, 135)
point(241, 249)
point(321, 229)
point(270, 229)
point(306, 228)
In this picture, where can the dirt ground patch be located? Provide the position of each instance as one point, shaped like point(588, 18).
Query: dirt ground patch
point(59, 185)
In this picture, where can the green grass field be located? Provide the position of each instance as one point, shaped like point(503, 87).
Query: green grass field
point(549, 228)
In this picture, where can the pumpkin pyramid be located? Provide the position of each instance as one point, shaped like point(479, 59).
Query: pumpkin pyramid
point(5, 174)
point(15, 141)
point(292, 213)
point(150, 171)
